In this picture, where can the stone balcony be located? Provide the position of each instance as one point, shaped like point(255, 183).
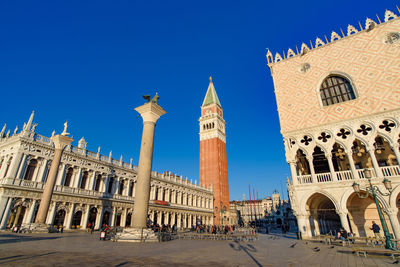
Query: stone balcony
point(387, 171)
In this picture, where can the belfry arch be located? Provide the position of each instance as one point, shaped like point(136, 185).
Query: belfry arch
point(323, 218)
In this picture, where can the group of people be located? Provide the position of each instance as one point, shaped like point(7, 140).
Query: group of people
point(213, 229)
point(344, 235)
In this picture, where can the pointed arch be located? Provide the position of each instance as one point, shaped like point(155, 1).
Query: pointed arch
point(351, 30)
point(335, 36)
point(389, 15)
point(278, 57)
point(319, 42)
point(290, 53)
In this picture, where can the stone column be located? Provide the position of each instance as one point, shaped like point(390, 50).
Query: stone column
point(12, 173)
point(19, 208)
point(113, 214)
point(92, 181)
point(166, 218)
point(394, 222)
point(293, 172)
point(303, 223)
point(40, 177)
point(4, 166)
point(99, 218)
point(396, 152)
point(85, 216)
point(150, 113)
point(30, 213)
point(378, 171)
point(22, 167)
point(6, 214)
point(70, 215)
point(77, 177)
point(312, 171)
point(178, 224)
point(331, 168)
point(60, 142)
point(50, 218)
point(343, 220)
point(352, 166)
point(60, 175)
point(123, 218)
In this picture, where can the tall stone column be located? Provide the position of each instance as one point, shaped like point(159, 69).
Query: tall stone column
point(60, 142)
point(395, 222)
point(150, 113)
point(343, 220)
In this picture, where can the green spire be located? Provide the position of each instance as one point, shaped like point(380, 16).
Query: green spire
point(211, 95)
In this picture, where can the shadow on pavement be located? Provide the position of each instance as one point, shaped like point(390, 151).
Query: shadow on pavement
point(22, 257)
point(15, 239)
point(250, 248)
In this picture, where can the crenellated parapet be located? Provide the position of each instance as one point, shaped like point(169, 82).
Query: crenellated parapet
point(370, 24)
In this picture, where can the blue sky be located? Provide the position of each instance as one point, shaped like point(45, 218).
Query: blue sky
point(89, 62)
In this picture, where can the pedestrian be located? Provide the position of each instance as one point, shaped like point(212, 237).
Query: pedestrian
point(92, 228)
point(376, 229)
point(343, 236)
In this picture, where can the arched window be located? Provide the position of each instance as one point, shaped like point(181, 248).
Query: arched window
point(336, 89)
point(30, 170)
point(97, 185)
point(110, 185)
point(68, 176)
point(121, 186)
point(84, 179)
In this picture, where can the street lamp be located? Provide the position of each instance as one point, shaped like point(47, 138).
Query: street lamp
point(374, 190)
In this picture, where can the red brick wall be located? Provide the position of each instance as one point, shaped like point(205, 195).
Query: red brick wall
point(214, 170)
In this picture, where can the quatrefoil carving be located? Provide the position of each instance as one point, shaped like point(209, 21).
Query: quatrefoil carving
point(343, 133)
point(324, 137)
point(364, 129)
point(387, 125)
point(306, 140)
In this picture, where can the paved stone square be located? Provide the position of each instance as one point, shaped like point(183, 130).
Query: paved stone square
point(83, 249)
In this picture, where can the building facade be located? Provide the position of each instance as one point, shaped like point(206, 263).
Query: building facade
point(270, 210)
point(339, 108)
point(90, 187)
point(213, 161)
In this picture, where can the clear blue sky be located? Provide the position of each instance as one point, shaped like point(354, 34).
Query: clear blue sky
point(89, 62)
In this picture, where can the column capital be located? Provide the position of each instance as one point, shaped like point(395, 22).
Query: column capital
point(150, 112)
point(61, 141)
point(342, 212)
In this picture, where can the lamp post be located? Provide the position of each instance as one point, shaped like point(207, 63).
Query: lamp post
point(374, 190)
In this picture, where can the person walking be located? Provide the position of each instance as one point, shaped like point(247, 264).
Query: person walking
point(376, 229)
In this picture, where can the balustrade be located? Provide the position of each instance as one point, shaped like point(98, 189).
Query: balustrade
point(304, 179)
point(391, 170)
point(344, 175)
point(323, 177)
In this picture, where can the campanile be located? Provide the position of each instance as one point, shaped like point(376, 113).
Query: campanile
point(213, 162)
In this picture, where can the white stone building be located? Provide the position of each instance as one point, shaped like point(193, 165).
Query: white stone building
point(339, 109)
point(90, 187)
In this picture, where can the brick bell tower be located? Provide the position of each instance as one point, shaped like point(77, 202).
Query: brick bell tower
point(213, 162)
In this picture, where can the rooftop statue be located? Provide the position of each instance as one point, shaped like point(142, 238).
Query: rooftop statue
point(64, 133)
point(153, 100)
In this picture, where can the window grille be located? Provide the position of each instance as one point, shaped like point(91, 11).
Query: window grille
point(336, 89)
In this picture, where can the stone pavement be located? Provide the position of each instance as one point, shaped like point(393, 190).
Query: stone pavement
point(79, 248)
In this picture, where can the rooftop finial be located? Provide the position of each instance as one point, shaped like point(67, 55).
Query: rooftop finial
point(210, 79)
